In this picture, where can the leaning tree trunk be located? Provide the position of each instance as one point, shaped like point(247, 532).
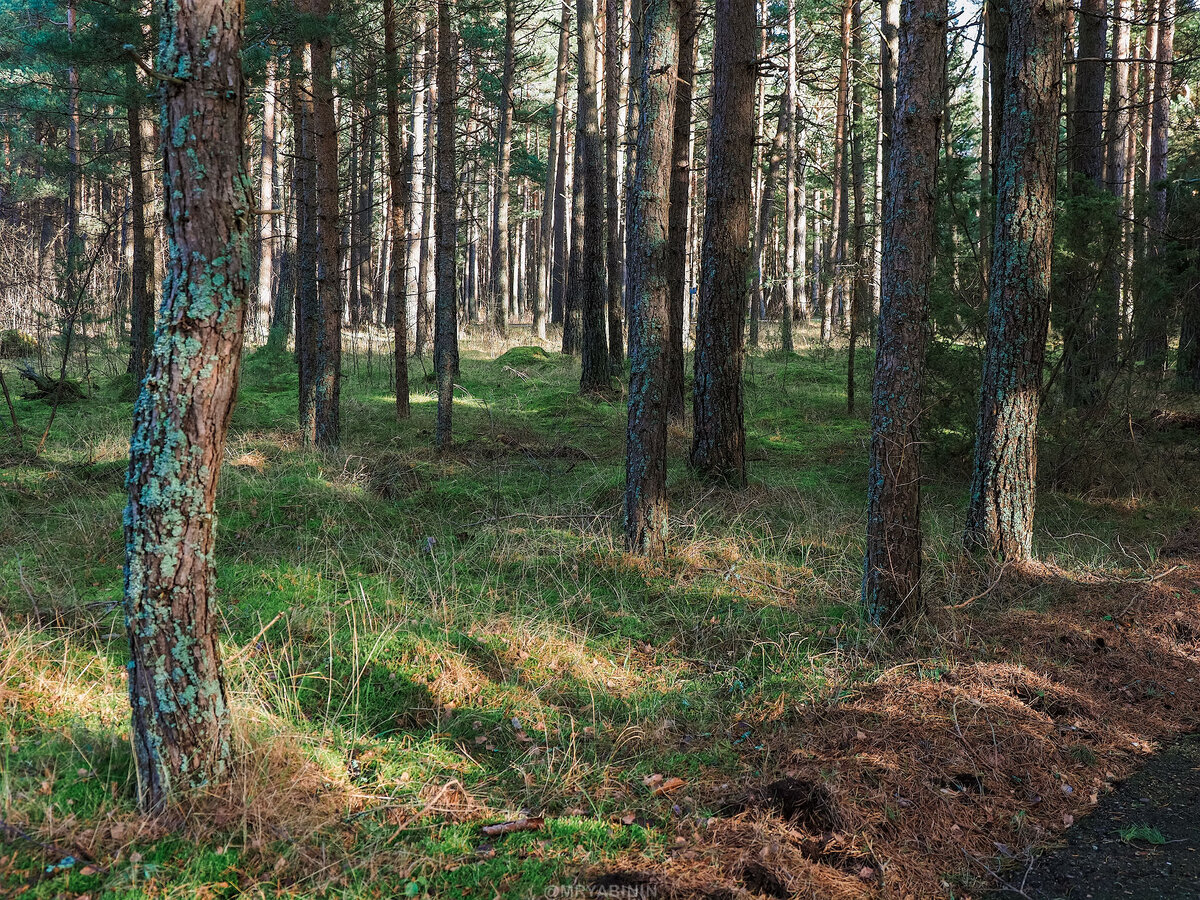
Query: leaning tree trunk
point(892, 570)
point(180, 728)
point(719, 442)
point(677, 216)
point(646, 446)
point(399, 184)
point(445, 338)
point(1000, 516)
point(593, 288)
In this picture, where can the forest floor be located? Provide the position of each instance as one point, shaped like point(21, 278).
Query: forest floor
point(1142, 840)
point(419, 645)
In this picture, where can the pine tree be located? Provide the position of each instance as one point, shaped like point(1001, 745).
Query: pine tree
point(719, 444)
point(593, 287)
point(892, 570)
point(1000, 516)
point(445, 349)
point(646, 445)
point(181, 725)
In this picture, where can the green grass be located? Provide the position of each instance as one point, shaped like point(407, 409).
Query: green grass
point(1140, 832)
point(401, 622)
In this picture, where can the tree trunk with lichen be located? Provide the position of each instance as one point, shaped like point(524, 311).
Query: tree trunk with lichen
point(180, 726)
point(646, 447)
point(719, 442)
point(1000, 516)
point(892, 570)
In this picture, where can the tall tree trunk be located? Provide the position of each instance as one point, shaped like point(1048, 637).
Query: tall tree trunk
point(1158, 307)
point(1149, 74)
point(1089, 330)
point(838, 219)
point(363, 276)
point(180, 727)
point(997, 23)
point(766, 205)
point(593, 288)
point(328, 358)
point(445, 349)
point(1000, 517)
point(1116, 155)
point(859, 310)
point(892, 570)
point(418, 220)
point(632, 119)
point(677, 216)
point(889, 49)
point(719, 441)
point(285, 285)
point(141, 202)
point(789, 188)
point(501, 286)
point(553, 185)
point(612, 197)
point(571, 300)
point(399, 184)
point(308, 311)
point(73, 239)
point(649, 316)
point(559, 270)
point(985, 159)
point(426, 276)
point(266, 218)
point(800, 273)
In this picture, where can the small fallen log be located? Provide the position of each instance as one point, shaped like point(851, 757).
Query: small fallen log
point(533, 823)
point(51, 390)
